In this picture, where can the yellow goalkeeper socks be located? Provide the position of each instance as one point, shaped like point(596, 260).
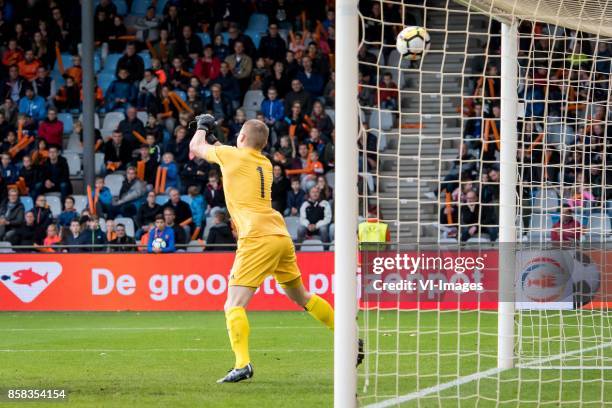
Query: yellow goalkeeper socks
point(238, 330)
point(318, 308)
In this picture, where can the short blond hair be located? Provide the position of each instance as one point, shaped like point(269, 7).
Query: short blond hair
point(256, 132)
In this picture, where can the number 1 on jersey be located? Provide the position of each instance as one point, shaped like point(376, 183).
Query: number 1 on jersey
point(261, 178)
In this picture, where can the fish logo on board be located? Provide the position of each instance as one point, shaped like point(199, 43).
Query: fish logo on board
point(27, 280)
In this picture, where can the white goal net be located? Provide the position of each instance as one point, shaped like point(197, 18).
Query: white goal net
point(431, 150)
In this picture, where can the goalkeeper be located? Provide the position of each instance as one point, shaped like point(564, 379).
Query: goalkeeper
point(264, 245)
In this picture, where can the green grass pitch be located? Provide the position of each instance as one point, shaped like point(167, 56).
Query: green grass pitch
point(173, 359)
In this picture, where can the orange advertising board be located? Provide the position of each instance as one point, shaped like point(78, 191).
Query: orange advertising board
point(141, 282)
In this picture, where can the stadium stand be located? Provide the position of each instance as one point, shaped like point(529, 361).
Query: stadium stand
point(177, 87)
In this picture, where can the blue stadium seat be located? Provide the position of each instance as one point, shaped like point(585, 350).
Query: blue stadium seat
point(186, 198)
point(161, 4)
point(258, 22)
point(110, 64)
point(27, 202)
point(146, 58)
point(105, 79)
point(161, 199)
point(139, 7)
point(182, 94)
point(57, 77)
point(97, 62)
point(66, 61)
point(225, 36)
point(66, 119)
point(122, 8)
point(255, 36)
point(205, 37)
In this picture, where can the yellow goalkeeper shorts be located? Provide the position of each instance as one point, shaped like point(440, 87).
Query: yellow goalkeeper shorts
point(258, 257)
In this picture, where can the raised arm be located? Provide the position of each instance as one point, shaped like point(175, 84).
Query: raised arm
point(203, 138)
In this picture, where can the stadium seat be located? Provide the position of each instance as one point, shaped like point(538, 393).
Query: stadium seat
point(250, 113)
point(195, 246)
point(312, 245)
point(161, 199)
point(225, 36)
point(6, 247)
point(110, 63)
point(66, 119)
point(74, 144)
point(27, 202)
point(58, 78)
point(284, 35)
point(111, 122)
point(74, 162)
point(66, 61)
point(146, 58)
point(330, 176)
point(113, 182)
point(478, 240)
point(205, 37)
point(186, 198)
point(599, 227)
point(96, 120)
point(447, 241)
point(105, 79)
point(97, 62)
point(161, 4)
point(292, 226)
point(255, 36)
point(54, 203)
point(540, 226)
point(546, 200)
point(139, 7)
point(80, 202)
point(143, 116)
point(382, 120)
point(331, 113)
point(182, 94)
point(129, 225)
point(209, 224)
point(99, 163)
point(122, 8)
point(253, 100)
point(258, 22)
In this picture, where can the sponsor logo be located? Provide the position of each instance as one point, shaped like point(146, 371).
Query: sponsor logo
point(27, 280)
point(544, 279)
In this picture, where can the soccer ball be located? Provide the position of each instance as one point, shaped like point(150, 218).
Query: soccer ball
point(413, 42)
point(159, 243)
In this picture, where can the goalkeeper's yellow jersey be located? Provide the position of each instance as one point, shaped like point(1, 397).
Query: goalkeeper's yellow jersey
point(247, 184)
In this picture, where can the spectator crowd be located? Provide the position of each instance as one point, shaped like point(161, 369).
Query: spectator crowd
point(159, 64)
point(564, 186)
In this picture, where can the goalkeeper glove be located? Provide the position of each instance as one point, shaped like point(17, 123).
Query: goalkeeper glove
point(207, 123)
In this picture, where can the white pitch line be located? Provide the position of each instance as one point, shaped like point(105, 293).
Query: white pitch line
point(477, 376)
point(51, 329)
point(164, 350)
point(581, 367)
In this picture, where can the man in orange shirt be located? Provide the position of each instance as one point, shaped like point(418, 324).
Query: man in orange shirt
point(75, 71)
point(28, 66)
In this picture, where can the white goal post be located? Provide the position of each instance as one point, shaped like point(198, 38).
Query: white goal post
point(512, 92)
point(345, 261)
